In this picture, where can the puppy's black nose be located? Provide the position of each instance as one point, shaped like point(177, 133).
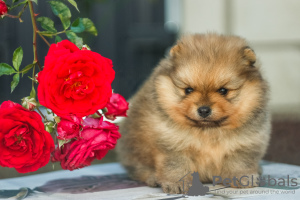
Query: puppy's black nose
point(204, 111)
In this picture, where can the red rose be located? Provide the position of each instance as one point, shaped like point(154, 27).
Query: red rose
point(74, 81)
point(117, 106)
point(24, 144)
point(96, 138)
point(3, 8)
point(68, 127)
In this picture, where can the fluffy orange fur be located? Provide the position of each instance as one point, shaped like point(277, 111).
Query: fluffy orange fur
point(164, 137)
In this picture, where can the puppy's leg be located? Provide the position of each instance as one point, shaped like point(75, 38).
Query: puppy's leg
point(244, 165)
point(140, 172)
point(135, 153)
point(170, 170)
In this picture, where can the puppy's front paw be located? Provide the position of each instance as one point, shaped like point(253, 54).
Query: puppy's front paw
point(152, 182)
point(173, 188)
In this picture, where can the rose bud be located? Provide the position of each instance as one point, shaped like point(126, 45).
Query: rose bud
point(49, 126)
point(3, 8)
point(29, 103)
point(85, 47)
point(117, 106)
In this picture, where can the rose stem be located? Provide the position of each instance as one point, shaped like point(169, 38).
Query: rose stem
point(22, 11)
point(44, 39)
point(34, 27)
point(19, 15)
point(33, 76)
point(11, 16)
point(33, 72)
point(41, 113)
point(35, 56)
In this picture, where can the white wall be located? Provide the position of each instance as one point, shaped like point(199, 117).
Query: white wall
point(273, 29)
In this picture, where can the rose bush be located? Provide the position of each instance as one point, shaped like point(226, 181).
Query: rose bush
point(96, 138)
point(24, 144)
point(117, 106)
point(74, 81)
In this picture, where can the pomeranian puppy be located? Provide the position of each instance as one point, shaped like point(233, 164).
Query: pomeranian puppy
point(203, 109)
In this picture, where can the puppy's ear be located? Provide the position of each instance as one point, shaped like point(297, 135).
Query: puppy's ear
point(249, 56)
point(175, 50)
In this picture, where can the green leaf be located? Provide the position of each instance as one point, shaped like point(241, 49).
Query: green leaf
point(32, 93)
point(15, 82)
point(48, 112)
point(6, 69)
point(75, 39)
point(26, 69)
point(58, 39)
point(62, 142)
point(35, 1)
point(84, 24)
point(62, 11)
point(49, 126)
point(57, 119)
point(74, 4)
point(15, 1)
point(89, 26)
point(77, 26)
point(47, 24)
point(17, 58)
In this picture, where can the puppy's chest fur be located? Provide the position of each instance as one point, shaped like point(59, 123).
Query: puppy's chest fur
point(204, 150)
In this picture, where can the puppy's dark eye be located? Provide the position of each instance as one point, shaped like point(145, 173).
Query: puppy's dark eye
point(223, 91)
point(188, 90)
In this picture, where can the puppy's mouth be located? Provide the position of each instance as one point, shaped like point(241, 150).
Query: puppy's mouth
point(206, 123)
